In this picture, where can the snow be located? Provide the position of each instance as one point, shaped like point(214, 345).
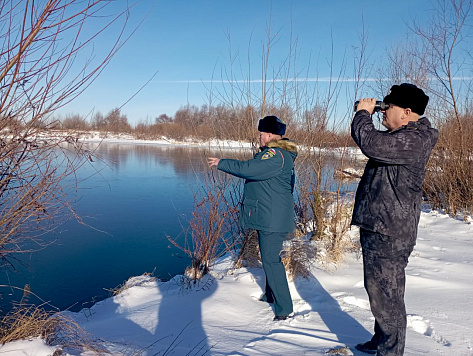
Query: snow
point(123, 138)
point(221, 315)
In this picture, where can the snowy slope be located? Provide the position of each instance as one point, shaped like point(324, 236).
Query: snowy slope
point(222, 316)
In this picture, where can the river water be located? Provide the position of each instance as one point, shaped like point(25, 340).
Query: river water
point(131, 199)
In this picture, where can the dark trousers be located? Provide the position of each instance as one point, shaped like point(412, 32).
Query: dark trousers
point(384, 261)
point(277, 289)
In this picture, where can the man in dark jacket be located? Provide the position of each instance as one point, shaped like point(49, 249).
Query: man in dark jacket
point(388, 205)
point(268, 204)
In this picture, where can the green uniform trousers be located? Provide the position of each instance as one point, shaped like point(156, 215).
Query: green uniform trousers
point(277, 289)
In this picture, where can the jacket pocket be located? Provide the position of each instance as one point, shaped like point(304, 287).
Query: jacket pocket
point(250, 211)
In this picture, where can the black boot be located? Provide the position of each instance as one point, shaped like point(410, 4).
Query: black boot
point(368, 347)
point(283, 317)
point(264, 298)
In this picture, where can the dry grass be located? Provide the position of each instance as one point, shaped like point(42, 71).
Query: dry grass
point(338, 242)
point(25, 322)
point(326, 216)
point(297, 257)
point(249, 255)
point(131, 282)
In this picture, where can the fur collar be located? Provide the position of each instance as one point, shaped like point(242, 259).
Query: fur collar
point(285, 144)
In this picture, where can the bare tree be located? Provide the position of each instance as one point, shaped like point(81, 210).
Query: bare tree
point(163, 118)
point(98, 121)
point(75, 122)
point(441, 49)
point(40, 43)
point(446, 57)
point(117, 122)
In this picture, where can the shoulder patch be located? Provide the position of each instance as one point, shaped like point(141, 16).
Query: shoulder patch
point(270, 153)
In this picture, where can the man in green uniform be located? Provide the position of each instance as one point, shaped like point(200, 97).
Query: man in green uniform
point(268, 204)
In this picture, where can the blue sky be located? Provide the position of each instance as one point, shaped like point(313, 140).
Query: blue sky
point(187, 44)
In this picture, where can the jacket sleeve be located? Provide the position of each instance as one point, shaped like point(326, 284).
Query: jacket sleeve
point(396, 147)
point(257, 168)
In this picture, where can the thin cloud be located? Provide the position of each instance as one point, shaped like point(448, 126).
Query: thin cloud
point(302, 80)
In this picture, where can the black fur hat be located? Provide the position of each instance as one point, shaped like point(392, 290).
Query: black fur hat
point(407, 96)
point(272, 124)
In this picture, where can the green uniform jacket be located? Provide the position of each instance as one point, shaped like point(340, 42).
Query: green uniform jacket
point(268, 203)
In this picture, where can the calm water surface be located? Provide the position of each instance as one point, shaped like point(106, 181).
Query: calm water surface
point(132, 199)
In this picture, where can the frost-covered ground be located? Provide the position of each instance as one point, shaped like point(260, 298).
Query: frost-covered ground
point(222, 316)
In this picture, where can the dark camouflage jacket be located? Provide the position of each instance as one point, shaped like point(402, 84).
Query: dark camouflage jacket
point(388, 198)
point(268, 203)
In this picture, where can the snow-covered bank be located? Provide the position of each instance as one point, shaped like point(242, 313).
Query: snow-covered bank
point(123, 138)
point(98, 137)
point(223, 317)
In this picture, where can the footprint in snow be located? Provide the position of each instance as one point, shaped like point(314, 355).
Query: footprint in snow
point(360, 284)
point(422, 326)
point(357, 302)
point(302, 309)
point(256, 296)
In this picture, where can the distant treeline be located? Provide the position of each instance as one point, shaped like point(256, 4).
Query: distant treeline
point(449, 181)
point(218, 122)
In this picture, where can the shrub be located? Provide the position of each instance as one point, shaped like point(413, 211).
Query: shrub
point(212, 227)
point(449, 180)
point(75, 122)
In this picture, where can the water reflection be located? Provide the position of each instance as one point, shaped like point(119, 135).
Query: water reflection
point(131, 198)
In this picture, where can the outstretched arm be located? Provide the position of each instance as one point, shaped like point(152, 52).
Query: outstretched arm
point(259, 168)
point(213, 161)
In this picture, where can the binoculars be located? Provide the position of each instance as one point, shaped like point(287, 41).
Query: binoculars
point(378, 107)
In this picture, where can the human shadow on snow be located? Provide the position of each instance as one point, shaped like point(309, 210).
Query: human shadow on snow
point(149, 325)
point(343, 329)
point(348, 330)
point(186, 337)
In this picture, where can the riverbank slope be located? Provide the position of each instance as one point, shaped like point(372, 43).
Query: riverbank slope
point(222, 316)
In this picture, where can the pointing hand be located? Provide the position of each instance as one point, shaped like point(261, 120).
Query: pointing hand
point(212, 161)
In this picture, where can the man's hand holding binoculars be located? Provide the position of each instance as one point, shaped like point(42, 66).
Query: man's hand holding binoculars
point(371, 105)
point(367, 104)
